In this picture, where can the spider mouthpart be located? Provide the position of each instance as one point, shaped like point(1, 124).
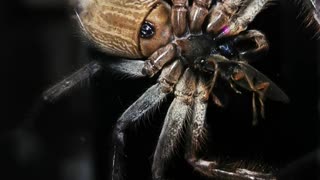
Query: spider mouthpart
point(147, 30)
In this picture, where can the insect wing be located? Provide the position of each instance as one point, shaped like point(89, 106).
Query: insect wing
point(230, 69)
point(273, 91)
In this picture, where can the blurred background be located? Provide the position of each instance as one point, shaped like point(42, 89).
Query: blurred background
point(71, 139)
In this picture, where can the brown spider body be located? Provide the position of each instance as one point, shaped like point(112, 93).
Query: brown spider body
point(190, 47)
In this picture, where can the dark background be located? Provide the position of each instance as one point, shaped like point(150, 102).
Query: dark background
point(71, 139)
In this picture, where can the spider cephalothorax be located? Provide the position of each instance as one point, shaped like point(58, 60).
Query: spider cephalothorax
point(190, 48)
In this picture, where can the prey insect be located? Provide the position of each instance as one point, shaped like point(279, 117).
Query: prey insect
point(190, 46)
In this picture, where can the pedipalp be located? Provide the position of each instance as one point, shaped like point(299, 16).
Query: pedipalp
point(158, 59)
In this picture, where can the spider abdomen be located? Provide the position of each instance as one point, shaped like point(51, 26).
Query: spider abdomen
point(126, 28)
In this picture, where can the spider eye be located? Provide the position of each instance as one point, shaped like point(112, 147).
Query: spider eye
point(147, 30)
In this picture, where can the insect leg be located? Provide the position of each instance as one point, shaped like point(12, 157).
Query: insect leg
point(64, 86)
point(259, 89)
point(179, 16)
point(177, 114)
point(262, 89)
point(146, 103)
point(158, 59)
point(198, 13)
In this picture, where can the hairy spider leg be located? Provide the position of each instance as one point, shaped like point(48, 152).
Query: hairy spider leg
point(174, 122)
point(220, 15)
point(243, 18)
point(198, 14)
point(128, 68)
point(151, 99)
point(64, 86)
point(311, 12)
point(197, 131)
point(243, 174)
point(179, 17)
point(197, 136)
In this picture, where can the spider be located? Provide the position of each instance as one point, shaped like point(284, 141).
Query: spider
point(190, 46)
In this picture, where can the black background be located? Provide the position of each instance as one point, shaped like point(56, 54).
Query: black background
point(71, 139)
